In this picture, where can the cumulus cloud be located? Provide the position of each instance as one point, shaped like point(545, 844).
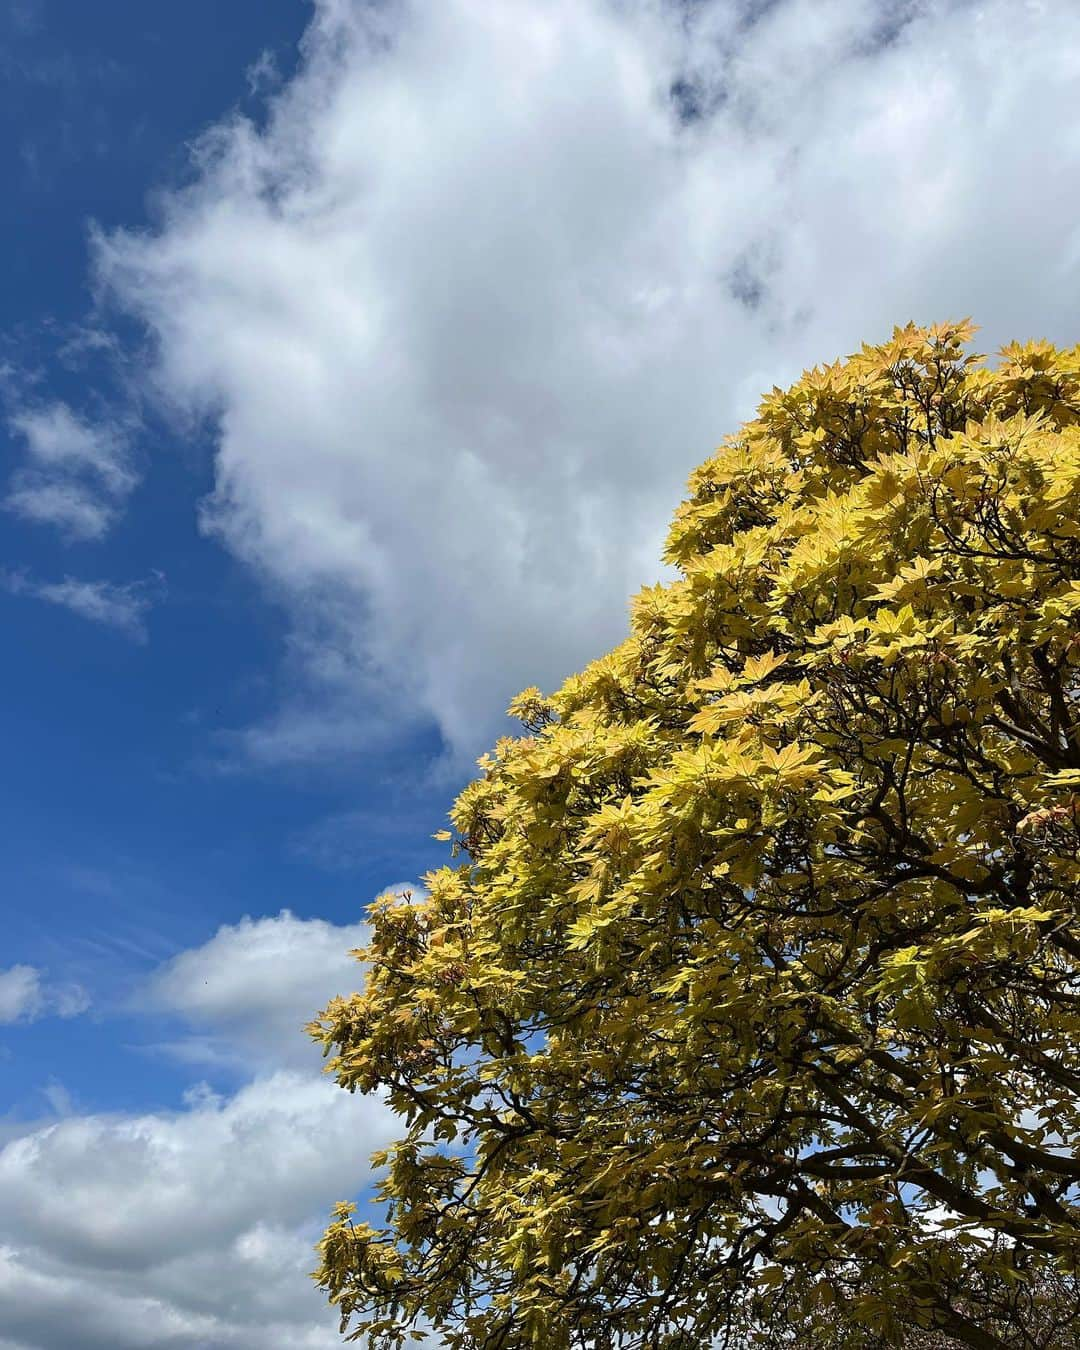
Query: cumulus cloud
point(248, 992)
point(188, 1229)
point(123, 607)
point(133, 1192)
point(491, 279)
point(195, 1227)
point(26, 995)
point(77, 475)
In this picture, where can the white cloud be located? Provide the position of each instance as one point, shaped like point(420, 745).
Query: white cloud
point(116, 606)
point(248, 992)
point(132, 1192)
point(26, 996)
point(195, 1228)
point(60, 1100)
point(77, 475)
point(78, 511)
point(20, 994)
point(56, 438)
point(494, 278)
point(191, 1229)
point(263, 73)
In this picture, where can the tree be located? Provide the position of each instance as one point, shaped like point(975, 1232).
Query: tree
point(753, 1001)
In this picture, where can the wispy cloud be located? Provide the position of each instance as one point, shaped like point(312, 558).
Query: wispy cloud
point(26, 995)
point(263, 74)
point(382, 837)
point(77, 475)
point(121, 606)
point(60, 1100)
point(56, 438)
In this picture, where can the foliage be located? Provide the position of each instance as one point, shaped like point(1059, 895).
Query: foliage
point(1039, 1311)
point(754, 1000)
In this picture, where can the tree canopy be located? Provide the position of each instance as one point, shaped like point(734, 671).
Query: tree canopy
point(750, 998)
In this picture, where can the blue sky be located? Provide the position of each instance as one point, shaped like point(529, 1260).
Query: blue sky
point(126, 840)
point(353, 358)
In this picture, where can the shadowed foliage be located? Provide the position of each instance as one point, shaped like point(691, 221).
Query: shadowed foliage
point(749, 1011)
